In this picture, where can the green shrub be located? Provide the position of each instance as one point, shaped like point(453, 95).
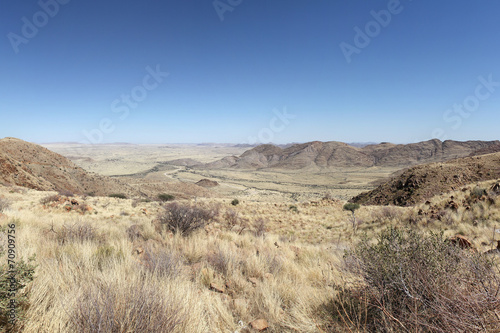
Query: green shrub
point(118, 195)
point(235, 202)
point(293, 208)
point(351, 206)
point(419, 283)
point(165, 197)
point(13, 296)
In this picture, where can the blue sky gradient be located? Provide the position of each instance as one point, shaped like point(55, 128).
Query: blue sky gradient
point(242, 71)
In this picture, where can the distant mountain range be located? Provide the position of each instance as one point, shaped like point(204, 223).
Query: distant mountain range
point(318, 155)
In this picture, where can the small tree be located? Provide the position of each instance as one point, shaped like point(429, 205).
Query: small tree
point(352, 207)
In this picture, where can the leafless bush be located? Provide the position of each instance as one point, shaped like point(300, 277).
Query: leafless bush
point(50, 198)
point(232, 219)
point(4, 204)
point(260, 226)
point(77, 232)
point(139, 308)
point(165, 264)
point(134, 232)
point(414, 282)
point(184, 218)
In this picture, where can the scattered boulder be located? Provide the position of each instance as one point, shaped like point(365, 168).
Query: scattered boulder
point(259, 325)
point(452, 205)
point(217, 288)
point(240, 303)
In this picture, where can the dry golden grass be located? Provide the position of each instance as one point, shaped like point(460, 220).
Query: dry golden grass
point(286, 283)
point(271, 261)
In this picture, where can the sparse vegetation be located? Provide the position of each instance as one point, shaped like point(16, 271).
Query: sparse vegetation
point(118, 195)
point(235, 202)
point(207, 266)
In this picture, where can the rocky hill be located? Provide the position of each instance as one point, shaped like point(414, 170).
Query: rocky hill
point(32, 166)
point(321, 155)
point(422, 182)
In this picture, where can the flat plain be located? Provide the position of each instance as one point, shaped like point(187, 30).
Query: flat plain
point(152, 166)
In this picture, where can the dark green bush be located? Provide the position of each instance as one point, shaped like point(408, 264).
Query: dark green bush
point(235, 202)
point(165, 197)
point(350, 206)
point(118, 195)
point(420, 283)
point(478, 192)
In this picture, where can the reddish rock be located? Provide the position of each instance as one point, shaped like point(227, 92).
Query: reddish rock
point(461, 241)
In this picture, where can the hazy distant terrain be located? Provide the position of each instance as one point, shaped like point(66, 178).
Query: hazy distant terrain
point(266, 172)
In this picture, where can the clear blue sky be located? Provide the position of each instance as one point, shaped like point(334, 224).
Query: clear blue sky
point(85, 68)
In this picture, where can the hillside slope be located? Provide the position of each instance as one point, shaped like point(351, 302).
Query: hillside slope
point(321, 155)
point(32, 166)
point(422, 182)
